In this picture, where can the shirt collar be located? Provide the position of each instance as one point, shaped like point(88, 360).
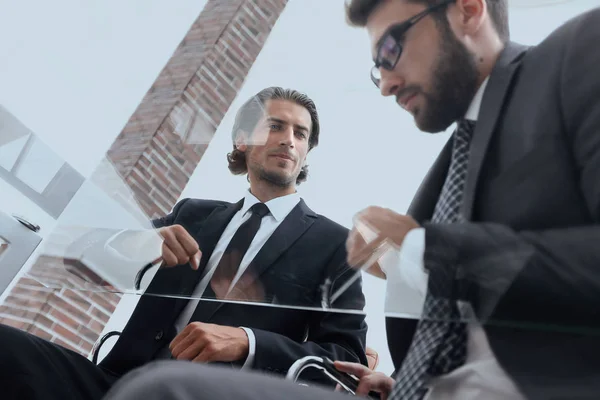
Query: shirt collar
point(279, 207)
point(473, 111)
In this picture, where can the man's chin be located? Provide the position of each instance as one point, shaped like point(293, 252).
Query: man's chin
point(430, 125)
point(277, 178)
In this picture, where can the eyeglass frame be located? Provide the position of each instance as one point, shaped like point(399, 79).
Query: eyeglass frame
point(397, 31)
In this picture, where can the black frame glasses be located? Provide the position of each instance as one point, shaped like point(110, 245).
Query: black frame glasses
point(389, 46)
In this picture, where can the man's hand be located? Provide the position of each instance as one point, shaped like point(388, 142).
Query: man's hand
point(179, 247)
point(372, 228)
point(200, 342)
point(369, 381)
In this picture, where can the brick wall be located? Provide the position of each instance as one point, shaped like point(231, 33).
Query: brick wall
point(155, 154)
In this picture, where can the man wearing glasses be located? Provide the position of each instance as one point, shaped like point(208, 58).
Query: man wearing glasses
point(502, 237)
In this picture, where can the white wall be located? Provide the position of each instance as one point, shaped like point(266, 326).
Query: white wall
point(73, 72)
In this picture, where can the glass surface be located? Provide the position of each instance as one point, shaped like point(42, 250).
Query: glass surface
point(3, 245)
point(38, 166)
point(106, 242)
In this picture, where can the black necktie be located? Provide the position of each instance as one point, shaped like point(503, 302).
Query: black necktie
point(233, 255)
point(439, 344)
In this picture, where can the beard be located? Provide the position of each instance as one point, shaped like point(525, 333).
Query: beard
point(454, 85)
point(273, 178)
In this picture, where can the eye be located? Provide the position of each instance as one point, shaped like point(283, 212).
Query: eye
point(275, 127)
point(301, 134)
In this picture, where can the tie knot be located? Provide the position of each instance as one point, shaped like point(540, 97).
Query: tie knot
point(260, 209)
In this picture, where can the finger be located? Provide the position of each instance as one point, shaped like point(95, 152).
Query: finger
point(187, 241)
point(360, 256)
point(169, 258)
point(355, 369)
point(376, 382)
point(195, 260)
point(181, 336)
point(193, 348)
point(178, 250)
point(189, 342)
point(365, 386)
point(177, 345)
point(209, 353)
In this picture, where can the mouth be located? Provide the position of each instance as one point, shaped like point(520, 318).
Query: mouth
point(283, 157)
point(406, 100)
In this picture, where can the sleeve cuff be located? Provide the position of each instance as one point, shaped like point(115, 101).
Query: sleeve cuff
point(407, 263)
point(412, 260)
point(251, 348)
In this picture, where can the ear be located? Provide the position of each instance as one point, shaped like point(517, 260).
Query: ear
point(468, 16)
point(241, 141)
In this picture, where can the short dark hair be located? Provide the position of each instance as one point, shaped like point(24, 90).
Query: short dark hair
point(250, 114)
point(359, 11)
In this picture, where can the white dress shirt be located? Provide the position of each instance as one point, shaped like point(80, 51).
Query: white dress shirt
point(480, 377)
point(279, 209)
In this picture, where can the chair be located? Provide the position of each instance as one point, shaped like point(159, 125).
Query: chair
point(100, 342)
point(345, 381)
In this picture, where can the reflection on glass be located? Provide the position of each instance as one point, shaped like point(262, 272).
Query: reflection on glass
point(30, 167)
point(3, 245)
point(38, 166)
point(84, 252)
point(10, 151)
point(104, 241)
point(10, 127)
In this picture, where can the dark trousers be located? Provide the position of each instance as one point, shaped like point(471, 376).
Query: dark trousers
point(32, 368)
point(172, 380)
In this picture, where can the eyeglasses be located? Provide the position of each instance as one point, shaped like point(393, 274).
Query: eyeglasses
point(389, 47)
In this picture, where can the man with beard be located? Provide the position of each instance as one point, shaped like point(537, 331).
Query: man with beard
point(502, 236)
point(268, 248)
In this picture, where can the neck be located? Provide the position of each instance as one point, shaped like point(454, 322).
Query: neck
point(487, 58)
point(265, 191)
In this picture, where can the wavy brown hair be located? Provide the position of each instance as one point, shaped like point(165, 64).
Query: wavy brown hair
point(252, 111)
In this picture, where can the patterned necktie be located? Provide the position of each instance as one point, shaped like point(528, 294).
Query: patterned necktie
point(439, 344)
point(233, 255)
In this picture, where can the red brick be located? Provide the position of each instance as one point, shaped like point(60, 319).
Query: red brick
point(16, 324)
point(99, 314)
point(40, 333)
point(204, 74)
point(65, 319)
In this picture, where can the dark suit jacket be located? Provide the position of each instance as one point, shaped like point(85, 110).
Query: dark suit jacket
point(304, 250)
point(528, 257)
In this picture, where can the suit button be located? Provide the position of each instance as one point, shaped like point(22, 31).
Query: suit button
point(159, 335)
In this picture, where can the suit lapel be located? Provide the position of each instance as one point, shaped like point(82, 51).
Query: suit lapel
point(291, 228)
point(207, 237)
point(491, 107)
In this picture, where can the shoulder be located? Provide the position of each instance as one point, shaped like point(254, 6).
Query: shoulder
point(332, 225)
point(582, 30)
point(330, 228)
point(197, 206)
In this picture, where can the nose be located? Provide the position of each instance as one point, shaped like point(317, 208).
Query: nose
point(390, 83)
point(287, 137)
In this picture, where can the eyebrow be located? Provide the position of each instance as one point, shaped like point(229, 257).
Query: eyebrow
point(381, 39)
point(280, 121)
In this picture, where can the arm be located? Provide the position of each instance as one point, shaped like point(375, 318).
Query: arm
point(550, 276)
point(338, 336)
